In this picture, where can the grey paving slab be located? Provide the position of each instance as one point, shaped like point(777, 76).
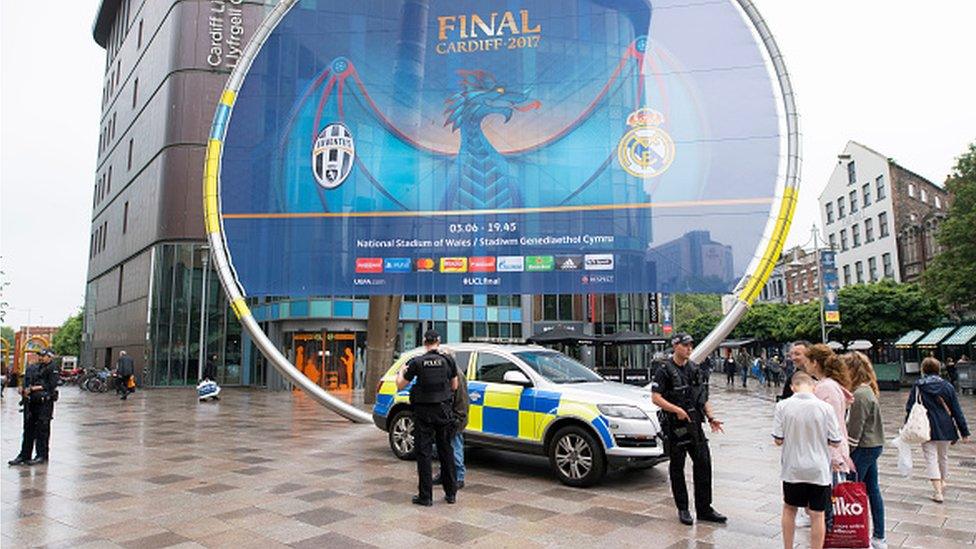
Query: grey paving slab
point(263, 469)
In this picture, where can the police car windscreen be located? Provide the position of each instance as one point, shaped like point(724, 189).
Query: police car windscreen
point(557, 367)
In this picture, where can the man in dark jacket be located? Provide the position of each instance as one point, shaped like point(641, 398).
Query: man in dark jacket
point(124, 370)
point(40, 392)
point(461, 404)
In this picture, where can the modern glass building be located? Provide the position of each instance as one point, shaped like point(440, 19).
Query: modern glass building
point(151, 290)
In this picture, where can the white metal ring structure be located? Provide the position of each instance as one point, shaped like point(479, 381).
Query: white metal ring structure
point(787, 193)
point(748, 288)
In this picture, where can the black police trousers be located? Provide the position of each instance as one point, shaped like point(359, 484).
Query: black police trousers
point(701, 459)
point(434, 423)
point(37, 429)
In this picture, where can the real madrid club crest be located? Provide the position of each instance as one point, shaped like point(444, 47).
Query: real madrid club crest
point(646, 150)
point(333, 155)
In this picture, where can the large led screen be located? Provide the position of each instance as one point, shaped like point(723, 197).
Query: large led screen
point(533, 146)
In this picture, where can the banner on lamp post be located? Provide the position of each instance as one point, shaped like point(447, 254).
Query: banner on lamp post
point(828, 273)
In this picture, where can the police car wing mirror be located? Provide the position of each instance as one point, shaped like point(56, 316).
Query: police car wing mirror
point(516, 377)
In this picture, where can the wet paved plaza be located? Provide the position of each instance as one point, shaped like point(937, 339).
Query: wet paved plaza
point(262, 469)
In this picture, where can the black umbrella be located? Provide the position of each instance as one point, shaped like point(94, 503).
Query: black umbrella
point(564, 335)
point(630, 337)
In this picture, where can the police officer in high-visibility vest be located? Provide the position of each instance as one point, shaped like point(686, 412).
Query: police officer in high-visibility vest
point(431, 397)
point(680, 389)
point(40, 391)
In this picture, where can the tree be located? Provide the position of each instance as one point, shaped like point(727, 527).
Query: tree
point(885, 310)
point(952, 274)
point(701, 325)
point(67, 340)
point(8, 333)
point(688, 307)
point(763, 321)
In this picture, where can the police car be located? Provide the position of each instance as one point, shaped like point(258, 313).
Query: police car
point(535, 400)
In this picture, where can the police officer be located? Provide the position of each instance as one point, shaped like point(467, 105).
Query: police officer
point(680, 389)
point(431, 397)
point(40, 391)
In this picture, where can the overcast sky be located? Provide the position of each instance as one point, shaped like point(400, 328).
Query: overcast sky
point(892, 74)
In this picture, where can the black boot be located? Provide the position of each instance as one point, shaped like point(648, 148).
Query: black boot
point(417, 501)
point(713, 516)
point(19, 460)
point(685, 517)
point(37, 461)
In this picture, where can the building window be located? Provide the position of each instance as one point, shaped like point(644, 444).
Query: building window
point(135, 92)
point(866, 194)
point(868, 230)
point(851, 173)
point(125, 217)
point(847, 275)
point(886, 265)
point(841, 212)
point(118, 300)
point(843, 240)
point(912, 217)
point(925, 196)
point(833, 241)
point(938, 203)
point(139, 38)
point(853, 197)
point(879, 185)
point(855, 236)
point(129, 161)
point(883, 224)
point(830, 212)
point(108, 182)
point(859, 271)
point(911, 190)
point(873, 268)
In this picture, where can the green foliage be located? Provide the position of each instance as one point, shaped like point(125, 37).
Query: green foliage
point(67, 340)
point(952, 275)
point(8, 333)
point(699, 326)
point(886, 310)
point(688, 307)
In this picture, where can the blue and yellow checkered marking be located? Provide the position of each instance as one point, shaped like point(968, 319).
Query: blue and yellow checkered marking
point(505, 410)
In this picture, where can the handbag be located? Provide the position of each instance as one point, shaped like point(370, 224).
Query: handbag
point(917, 429)
point(849, 504)
point(131, 382)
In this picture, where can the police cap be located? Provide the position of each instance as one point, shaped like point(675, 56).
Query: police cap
point(680, 338)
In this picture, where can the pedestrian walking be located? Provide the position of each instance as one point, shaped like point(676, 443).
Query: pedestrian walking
point(680, 390)
point(431, 400)
point(807, 430)
point(832, 388)
point(210, 369)
point(461, 403)
point(865, 435)
point(946, 423)
point(952, 373)
point(744, 363)
point(40, 392)
point(776, 370)
point(124, 371)
point(728, 366)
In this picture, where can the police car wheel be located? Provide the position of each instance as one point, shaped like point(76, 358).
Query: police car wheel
point(401, 435)
point(576, 457)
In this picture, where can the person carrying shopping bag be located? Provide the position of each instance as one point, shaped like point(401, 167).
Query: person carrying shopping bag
point(947, 423)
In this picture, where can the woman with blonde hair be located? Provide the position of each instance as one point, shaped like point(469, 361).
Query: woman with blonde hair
point(832, 387)
point(865, 435)
point(946, 422)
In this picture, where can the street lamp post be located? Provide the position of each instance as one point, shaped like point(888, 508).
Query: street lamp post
point(815, 238)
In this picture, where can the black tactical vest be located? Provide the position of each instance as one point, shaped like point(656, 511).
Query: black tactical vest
point(692, 395)
point(433, 383)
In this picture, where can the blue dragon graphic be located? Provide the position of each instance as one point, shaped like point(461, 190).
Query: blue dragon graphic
point(480, 177)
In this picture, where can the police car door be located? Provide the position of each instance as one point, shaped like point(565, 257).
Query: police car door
point(495, 404)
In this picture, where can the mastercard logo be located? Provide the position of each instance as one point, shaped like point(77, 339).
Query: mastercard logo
point(425, 264)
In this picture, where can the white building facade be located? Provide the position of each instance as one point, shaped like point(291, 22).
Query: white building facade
point(860, 211)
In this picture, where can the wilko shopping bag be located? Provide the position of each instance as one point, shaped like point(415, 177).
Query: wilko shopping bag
point(850, 507)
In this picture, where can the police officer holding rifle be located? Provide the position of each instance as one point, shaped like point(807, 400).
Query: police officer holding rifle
point(680, 390)
point(431, 398)
point(40, 391)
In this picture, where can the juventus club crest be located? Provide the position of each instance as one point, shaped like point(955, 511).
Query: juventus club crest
point(333, 155)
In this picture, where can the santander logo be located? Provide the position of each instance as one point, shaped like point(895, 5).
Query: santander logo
point(842, 507)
